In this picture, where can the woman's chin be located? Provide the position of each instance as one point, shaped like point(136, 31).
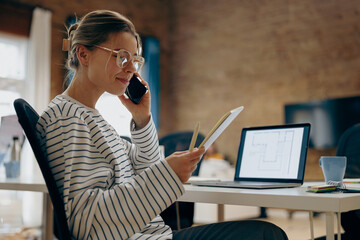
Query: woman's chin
point(116, 93)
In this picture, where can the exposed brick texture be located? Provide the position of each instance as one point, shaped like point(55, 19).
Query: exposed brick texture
point(261, 54)
point(217, 55)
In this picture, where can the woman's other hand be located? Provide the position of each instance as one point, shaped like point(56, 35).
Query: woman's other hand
point(184, 163)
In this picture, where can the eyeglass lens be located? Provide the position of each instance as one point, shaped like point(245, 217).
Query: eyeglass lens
point(124, 58)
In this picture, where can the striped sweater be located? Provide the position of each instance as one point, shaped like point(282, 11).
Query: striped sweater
point(111, 189)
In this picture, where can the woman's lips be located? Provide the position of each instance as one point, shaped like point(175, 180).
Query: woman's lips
point(124, 81)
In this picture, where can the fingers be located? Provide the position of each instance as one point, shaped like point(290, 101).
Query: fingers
point(143, 81)
point(184, 163)
point(193, 167)
point(179, 153)
point(200, 151)
point(193, 153)
point(125, 100)
point(190, 157)
point(196, 153)
point(122, 97)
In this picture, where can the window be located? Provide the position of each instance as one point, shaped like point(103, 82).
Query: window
point(13, 54)
point(13, 61)
point(115, 113)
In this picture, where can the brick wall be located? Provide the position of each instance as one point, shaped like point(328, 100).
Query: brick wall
point(260, 54)
point(217, 55)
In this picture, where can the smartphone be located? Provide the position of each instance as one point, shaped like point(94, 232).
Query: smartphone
point(136, 90)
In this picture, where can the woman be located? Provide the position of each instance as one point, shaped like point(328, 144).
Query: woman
point(111, 189)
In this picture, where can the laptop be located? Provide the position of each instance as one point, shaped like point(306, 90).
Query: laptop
point(269, 157)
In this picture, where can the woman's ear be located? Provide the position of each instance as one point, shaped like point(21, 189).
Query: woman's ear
point(82, 54)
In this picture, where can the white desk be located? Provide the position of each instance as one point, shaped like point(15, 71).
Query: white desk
point(33, 185)
point(289, 198)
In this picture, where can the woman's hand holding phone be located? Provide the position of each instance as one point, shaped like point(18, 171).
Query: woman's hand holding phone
point(135, 90)
point(141, 111)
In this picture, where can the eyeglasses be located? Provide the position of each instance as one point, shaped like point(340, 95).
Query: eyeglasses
point(123, 58)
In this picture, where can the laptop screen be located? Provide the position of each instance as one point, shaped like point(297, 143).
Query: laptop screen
point(273, 153)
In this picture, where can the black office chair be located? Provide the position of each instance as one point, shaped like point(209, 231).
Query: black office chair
point(349, 146)
point(28, 119)
point(180, 214)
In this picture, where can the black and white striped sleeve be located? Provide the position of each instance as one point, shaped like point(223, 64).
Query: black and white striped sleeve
point(145, 150)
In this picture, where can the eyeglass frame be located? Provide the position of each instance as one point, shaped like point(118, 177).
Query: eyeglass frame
point(132, 57)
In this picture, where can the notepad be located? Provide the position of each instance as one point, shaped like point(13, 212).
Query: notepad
point(335, 186)
point(321, 188)
point(220, 126)
point(352, 180)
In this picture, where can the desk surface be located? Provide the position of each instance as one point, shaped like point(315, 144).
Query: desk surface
point(291, 198)
point(23, 184)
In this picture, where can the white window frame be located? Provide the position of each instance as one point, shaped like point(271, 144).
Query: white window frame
point(14, 86)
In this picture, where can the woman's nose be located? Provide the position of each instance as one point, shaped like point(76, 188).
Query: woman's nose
point(130, 68)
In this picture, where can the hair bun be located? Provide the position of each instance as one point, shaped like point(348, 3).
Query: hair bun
point(66, 44)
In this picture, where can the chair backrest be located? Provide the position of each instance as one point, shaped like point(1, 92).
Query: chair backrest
point(180, 141)
point(28, 119)
point(349, 146)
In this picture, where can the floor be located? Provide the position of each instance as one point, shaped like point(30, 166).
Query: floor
point(296, 226)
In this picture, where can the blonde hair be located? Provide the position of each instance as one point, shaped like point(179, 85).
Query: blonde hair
point(93, 29)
